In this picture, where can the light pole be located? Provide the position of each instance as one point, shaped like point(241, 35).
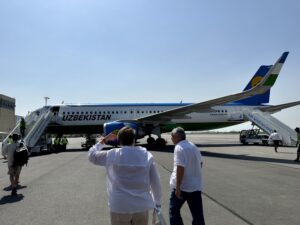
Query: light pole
point(46, 99)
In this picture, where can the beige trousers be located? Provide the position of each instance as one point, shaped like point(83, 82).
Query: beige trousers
point(140, 218)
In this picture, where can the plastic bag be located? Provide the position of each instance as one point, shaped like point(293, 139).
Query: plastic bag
point(158, 218)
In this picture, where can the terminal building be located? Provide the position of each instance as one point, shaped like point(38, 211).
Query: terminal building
point(7, 113)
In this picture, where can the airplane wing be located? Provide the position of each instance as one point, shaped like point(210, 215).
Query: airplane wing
point(181, 113)
point(276, 108)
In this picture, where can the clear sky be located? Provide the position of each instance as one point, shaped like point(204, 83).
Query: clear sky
point(138, 51)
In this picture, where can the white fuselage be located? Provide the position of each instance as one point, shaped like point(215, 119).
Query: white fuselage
point(77, 115)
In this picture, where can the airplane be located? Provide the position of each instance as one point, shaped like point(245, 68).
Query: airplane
point(156, 118)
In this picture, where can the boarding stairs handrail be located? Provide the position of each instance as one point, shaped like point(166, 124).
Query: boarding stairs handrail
point(268, 123)
point(38, 128)
point(13, 131)
point(30, 120)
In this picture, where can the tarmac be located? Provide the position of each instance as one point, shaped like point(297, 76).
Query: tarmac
point(242, 185)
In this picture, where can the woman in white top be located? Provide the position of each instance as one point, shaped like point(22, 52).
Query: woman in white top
point(133, 182)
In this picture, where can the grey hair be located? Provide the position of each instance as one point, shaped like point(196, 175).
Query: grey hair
point(179, 131)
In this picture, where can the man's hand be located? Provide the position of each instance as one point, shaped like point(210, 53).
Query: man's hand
point(178, 193)
point(109, 137)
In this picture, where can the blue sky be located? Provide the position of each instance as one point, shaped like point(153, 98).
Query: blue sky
point(91, 51)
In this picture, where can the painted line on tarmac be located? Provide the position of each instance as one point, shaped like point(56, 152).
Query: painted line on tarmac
point(218, 203)
point(227, 208)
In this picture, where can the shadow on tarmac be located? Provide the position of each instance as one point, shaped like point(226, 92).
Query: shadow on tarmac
point(247, 157)
point(170, 149)
point(11, 199)
point(8, 188)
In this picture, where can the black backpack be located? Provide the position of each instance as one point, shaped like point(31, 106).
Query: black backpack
point(21, 156)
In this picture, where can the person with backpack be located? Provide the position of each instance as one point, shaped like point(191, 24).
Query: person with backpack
point(14, 167)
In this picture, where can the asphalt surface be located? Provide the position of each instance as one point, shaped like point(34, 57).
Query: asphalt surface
point(242, 185)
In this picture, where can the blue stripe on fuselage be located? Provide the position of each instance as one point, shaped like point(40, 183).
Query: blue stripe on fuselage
point(128, 104)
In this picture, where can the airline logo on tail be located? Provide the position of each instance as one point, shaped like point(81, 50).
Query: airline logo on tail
point(258, 77)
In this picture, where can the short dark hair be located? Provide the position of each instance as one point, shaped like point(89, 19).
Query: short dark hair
point(126, 136)
point(15, 137)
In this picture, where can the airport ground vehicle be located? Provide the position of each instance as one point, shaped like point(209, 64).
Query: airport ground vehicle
point(253, 136)
point(90, 141)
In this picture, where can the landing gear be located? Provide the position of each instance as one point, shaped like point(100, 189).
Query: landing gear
point(150, 141)
point(160, 142)
point(156, 143)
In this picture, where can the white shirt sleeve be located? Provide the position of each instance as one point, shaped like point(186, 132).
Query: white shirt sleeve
point(179, 158)
point(96, 156)
point(155, 184)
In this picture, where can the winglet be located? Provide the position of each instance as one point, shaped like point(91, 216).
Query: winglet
point(274, 71)
point(283, 57)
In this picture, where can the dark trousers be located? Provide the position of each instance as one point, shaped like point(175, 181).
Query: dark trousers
point(276, 144)
point(298, 153)
point(194, 200)
point(22, 131)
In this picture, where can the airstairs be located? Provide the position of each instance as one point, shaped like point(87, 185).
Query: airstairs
point(36, 123)
point(268, 124)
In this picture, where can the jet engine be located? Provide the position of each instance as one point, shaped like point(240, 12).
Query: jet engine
point(114, 127)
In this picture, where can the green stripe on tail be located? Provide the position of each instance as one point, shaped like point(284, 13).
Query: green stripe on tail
point(271, 80)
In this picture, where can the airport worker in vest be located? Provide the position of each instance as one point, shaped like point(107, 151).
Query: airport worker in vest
point(133, 182)
point(57, 144)
point(298, 150)
point(13, 171)
point(22, 127)
point(64, 143)
point(275, 138)
point(186, 179)
point(10, 140)
point(49, 143)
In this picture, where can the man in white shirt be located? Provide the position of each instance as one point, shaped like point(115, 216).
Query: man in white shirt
point(186, 179)
point(133, 182)
point(275, 138)
point(13, 170)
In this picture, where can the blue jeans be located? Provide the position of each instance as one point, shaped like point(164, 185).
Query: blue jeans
point(194, 200)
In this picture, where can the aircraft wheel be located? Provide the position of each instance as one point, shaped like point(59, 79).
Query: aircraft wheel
point(160, 142)
point(150, 141)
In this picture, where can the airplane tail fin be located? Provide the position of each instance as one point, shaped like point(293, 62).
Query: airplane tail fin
point(258, 76)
